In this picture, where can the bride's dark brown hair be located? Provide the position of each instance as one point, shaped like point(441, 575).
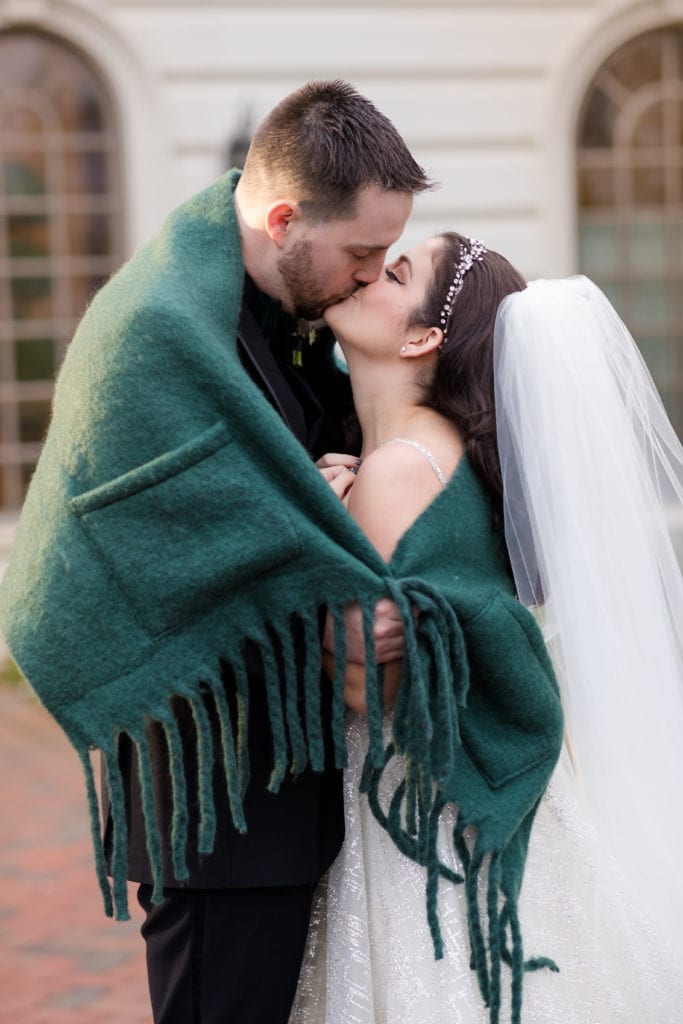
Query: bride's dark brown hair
point(462, 387)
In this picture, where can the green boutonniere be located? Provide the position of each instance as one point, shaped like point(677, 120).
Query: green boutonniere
point(305, 332)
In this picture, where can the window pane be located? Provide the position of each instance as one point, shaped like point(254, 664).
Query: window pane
point(22, 59)
point(649, 186)
point(596, 188)
point(89, 234)
point(35, 359)
point(22, 120)
point(658, 353)
point(24, 174)
point(28, 236)
point(79, 105)
point(649, 128)
point(598, 121)
point(639, 62)
point(33, 421)
point(599, 249)
point(86, 173)
point(31, 297)
point(650, 301)
point(647, 246)
point(82, 291)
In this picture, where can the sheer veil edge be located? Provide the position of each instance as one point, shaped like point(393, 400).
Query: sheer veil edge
point(593, 481)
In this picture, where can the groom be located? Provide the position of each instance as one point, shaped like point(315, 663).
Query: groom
point(327, 187)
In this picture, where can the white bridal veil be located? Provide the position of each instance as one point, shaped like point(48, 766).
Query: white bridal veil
point(593, 478)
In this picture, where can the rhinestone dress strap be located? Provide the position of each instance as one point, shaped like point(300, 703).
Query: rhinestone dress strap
point(425, 451)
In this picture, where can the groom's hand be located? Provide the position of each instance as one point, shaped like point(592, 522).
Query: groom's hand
point(334, 460)
point(387, 631)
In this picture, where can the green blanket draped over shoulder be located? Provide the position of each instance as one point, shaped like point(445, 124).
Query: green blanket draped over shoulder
point(173, 517)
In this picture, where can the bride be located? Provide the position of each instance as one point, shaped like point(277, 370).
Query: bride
point(542, 391)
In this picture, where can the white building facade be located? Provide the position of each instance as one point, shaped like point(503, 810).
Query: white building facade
point(554, 126)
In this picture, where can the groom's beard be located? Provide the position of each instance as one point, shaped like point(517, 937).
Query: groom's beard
point(306, 298)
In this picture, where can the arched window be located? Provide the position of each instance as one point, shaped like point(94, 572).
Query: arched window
point(59, 229)
point(630, 185)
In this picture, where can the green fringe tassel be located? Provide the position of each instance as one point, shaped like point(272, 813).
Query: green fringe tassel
point(539, 963)
point(477, 941)
point(312, 673)
point(149, 812)
point(242, 691)
point(119, 858)
point(445, 721)
point(341, 758)
point(374, 695)
point(95, 830)
point(411, 799)
point(179, 821)
point(403, 709)
point(297, 737)
point(229, 759)
point(433, 878)
point(517, 963)
point(207, 810)
point(493, 891)
point(276, 714)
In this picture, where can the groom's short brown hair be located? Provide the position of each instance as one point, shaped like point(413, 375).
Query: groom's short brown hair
point(327, 142)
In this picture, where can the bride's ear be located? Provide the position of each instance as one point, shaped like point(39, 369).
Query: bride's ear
point(420, 341)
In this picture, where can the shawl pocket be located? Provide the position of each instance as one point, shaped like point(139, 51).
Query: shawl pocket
point(513, 715)
point(179, 532)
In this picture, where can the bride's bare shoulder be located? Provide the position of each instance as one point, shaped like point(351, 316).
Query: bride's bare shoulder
point(394, 485)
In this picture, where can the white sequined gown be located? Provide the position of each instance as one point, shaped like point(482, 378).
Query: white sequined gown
point(369, 958)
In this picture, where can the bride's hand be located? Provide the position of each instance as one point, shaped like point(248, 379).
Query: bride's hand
point(340, 478)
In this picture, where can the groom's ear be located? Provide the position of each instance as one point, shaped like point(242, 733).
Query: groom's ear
point(278, 218)
point(420, 341)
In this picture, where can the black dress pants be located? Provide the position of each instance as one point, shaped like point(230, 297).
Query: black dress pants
point(225, 956)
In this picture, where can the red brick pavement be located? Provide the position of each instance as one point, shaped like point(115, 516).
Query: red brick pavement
point(61, 960)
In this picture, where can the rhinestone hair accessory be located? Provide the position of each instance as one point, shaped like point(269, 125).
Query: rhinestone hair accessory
point(477, 251)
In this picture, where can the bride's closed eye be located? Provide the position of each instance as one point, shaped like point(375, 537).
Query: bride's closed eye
point(392, 276)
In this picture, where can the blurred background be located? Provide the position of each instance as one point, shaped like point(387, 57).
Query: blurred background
point(554, 126)
point(556, 130)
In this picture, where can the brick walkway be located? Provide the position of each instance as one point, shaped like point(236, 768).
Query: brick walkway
point(61, 960)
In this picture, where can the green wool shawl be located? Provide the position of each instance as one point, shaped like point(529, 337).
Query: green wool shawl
point(173, 517)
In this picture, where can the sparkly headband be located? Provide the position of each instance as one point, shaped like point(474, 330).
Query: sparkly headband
point(476, 251)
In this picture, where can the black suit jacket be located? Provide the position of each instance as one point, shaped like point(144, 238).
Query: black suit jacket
point(292, 837)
